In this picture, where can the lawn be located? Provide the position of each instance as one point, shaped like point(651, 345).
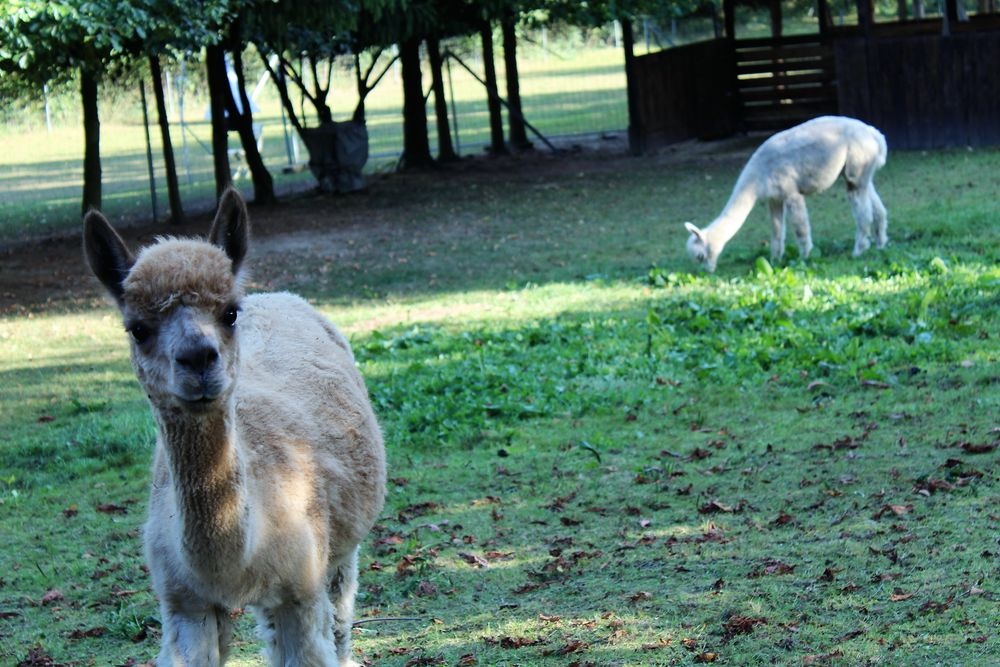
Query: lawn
point(597, 456)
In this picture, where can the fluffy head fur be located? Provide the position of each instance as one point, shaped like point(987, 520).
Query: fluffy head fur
point(269, 467)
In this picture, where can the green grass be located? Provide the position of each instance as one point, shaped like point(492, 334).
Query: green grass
point(766, 465)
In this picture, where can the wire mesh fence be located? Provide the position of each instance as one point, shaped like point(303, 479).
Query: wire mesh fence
point(569, 91)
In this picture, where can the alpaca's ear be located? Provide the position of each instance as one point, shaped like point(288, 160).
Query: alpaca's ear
point(694, 230)
point(106, 253)
point(231, 228)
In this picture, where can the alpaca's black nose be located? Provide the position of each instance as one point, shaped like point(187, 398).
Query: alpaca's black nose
point(197, 358)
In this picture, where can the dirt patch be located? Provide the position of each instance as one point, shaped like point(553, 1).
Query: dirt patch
point(50, 274)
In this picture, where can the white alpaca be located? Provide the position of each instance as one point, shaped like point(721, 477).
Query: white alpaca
point(269, 467)
point(800, 161)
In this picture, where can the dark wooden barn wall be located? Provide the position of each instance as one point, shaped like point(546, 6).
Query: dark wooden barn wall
point(923, 91)
point(687, 92)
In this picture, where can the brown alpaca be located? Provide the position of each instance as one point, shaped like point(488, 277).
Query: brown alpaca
point(269, 467)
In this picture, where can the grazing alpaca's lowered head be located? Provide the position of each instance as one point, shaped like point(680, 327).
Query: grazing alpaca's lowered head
point(269, 467)
point(800, 161)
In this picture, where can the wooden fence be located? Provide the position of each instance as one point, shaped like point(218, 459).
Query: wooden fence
point(687, 92)
point(922, 90)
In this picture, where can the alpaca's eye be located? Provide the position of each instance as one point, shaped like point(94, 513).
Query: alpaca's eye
point(140, 332)
point(229, 316)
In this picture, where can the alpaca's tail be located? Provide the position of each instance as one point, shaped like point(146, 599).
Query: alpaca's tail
point(883, 149)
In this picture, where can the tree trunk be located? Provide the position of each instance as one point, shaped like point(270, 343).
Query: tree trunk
point(636, 132)
point(416, 147)
point(446, 152)
point(774, 9)
point(92, 141)
point(497, 146)
point(359, 111)
point(173, 190)
point(515, 117)
point(218, 90)
point(263, 184)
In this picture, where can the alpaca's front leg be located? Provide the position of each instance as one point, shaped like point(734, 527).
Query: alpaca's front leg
point(861, 207)
point(343, 588)
point(194, 638)
point(299, 633)
point(797, 214)
point(881, 219)
point(777, 209)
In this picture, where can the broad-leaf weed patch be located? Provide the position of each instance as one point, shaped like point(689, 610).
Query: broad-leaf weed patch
point(611, 463)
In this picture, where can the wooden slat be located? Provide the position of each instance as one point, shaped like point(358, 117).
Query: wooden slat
point(789, 79)
point(823, 64)
point(774, 53)
point(801, 94)
point(775, 41)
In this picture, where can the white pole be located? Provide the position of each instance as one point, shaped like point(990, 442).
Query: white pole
point(181, 78)
point(48, 110)
point(170, 95)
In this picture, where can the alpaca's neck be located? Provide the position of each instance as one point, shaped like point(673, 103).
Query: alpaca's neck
point(209, 484)
point(740, 203)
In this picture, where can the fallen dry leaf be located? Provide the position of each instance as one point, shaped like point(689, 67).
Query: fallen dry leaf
point(774, 567)
point(53, 595)
point(92, 632)
point(897, 510)
point(425, 661)
point(707, 656)
point(821, 658)
point(111, 508)
point(410, 512)
point(572, 646)
point(741, 625)
point(898, 595)
point(473, 559)
point(783, 519)
point(937, 607)
point(527, 588)
point(970, 448)
point(37, 657)
point(511, 642)
point(698, 453)
point(715, 506)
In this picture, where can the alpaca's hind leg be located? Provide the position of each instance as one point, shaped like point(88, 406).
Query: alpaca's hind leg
point(861, 206)
point(881, 219)
point(298, 633)
point(195, 637)
point(777, 210)
point(797, 215)
point(343, 588)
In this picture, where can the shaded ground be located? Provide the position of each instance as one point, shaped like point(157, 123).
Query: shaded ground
point(354, 230)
